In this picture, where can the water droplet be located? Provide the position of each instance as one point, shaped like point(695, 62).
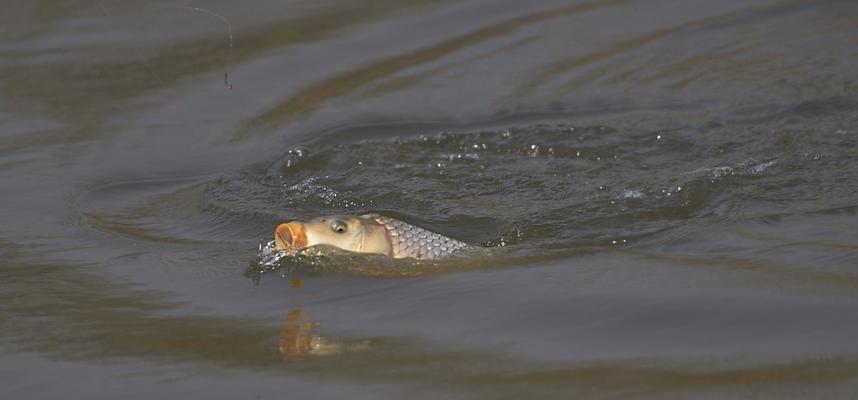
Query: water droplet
point(632, 194)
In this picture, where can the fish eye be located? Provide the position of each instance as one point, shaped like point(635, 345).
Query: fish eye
point(339, 226)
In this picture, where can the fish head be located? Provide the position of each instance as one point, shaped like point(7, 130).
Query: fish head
point(357, 234)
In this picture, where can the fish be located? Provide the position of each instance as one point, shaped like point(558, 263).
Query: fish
point(368, 233)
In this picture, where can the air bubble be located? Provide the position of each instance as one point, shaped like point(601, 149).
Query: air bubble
point(632, 194)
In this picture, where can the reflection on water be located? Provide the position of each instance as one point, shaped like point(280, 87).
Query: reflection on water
point(297, 340)
point(121, 322)
point(667, 191)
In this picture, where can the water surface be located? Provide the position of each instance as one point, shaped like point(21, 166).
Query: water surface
point(667, 192)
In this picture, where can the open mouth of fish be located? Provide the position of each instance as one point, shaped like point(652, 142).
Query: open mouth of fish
point(284, 238)
point(290, 236)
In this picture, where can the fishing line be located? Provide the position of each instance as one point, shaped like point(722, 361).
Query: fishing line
point(222, 19)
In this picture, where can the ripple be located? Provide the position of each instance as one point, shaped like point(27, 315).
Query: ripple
point(540, 192)
point(166, 211)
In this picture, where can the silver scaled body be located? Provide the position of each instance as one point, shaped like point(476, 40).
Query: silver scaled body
point(407, 240)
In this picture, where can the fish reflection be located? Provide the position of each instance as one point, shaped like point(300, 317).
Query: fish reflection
point(298, 341)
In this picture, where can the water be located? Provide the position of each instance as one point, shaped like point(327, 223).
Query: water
point(666, 193)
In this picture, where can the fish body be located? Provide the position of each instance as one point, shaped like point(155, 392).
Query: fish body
point(369, 233)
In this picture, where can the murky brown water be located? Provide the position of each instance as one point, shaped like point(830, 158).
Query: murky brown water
point(668, 191)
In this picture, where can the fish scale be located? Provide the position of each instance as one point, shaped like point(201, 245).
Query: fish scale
point(412, 241)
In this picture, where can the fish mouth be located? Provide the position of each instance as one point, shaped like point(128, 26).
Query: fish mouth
point(290, 236)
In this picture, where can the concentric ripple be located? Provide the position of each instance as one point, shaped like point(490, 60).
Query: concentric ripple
point(540, 192)
point(547, 191)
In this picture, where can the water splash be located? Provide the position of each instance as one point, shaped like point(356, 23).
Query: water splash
point(310, 188)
